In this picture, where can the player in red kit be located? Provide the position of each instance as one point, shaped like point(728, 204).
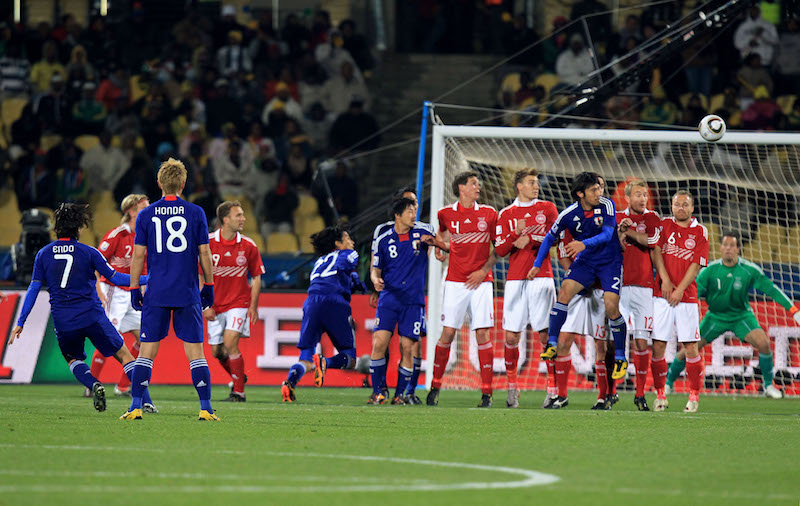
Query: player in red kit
point(638, 233)
point(117, 248)
point(234, 256)
point(469, 228)
point(681, 252)
point(520, 230)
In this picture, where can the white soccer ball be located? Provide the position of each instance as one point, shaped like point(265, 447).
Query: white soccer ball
point(712, 128)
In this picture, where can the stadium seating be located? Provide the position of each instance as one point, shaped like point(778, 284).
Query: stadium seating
point(88, 237)
point(10, 227)
point(11, 110)
point(714, 237)
point(280, 242)
point(310, 225)
point(686, 96)
point(717, 102)
point(547, 81)
point(786, 102)
point(87, 142)
point(106, 215)
point(49, 141)
point(789, 251)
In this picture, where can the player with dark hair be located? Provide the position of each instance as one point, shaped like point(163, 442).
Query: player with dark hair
point(67, 269)
point(327, 309)
point(591, 221)
point(173, 233)
point(726, 285)
point(234, 256)
point(399, 271)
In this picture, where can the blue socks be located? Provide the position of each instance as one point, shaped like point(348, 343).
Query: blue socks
point(82, 373)
point(296, 372)
point(140, 380)
point(338, 361)
point(128, 368)
point(201, 379)
point(619, 331)
point(558, 315)
point(412, 382)
point(377, 369)
point(403, 377)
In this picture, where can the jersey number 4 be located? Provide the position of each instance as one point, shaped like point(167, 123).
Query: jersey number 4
point(176, 226)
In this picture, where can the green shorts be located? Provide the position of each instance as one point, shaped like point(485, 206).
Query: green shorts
point(713, 326)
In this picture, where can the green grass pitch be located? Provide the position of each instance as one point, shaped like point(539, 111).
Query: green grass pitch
point(330, 448)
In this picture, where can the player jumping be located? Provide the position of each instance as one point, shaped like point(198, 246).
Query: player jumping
point(67, 269)
point(173, 233)
point(726, 285)
point(236, 303)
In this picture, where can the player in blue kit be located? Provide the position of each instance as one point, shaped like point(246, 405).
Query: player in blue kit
point(597, 257)
point(399, 271)
point(173, 234)
point(327, 309)
point(67, 269)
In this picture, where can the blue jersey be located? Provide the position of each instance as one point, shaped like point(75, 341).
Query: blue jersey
point(384, 227)
point(403, 261)
point(66, 268)
point(331, 274)
point(172, 230)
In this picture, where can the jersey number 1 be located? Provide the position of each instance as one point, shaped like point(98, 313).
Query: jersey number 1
point(175, 234)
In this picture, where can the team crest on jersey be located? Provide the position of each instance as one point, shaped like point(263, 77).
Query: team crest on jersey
point(415, 245)
point(540, 218)
point(482, 225)
point(598, 220)
point(737, 284)
point(689, 243)
point(241, 260)
point(415, 235)
point(641, 228)
point(104, 246)
point(114, 322)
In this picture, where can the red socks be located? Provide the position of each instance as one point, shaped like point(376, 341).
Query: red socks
point(98, 361)
point(641, 361)
point(602, 378)
point(236, 363)
point(562, 366)
point(552, 389)
point(226, 364)
point(512, 359)
point(694, 373)
point(440, 358)
point(486, 360)
point(659, 368)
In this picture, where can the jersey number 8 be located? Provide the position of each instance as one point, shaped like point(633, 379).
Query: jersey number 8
point(175, 234)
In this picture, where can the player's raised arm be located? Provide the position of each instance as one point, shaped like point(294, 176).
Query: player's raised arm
point(766, 286)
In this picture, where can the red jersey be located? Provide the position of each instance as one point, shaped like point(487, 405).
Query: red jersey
point(681, 247)
point(233, 260)
point(539, 216)
point(117, 248)
point(637, 268)
point(471, 235)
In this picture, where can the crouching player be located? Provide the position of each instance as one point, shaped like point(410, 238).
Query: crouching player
point(399, 271)
point(67, 268)
point(327, 309)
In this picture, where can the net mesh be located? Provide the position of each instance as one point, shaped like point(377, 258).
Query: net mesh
point(747, 188)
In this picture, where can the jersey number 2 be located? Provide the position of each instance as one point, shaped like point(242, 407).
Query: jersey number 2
point(175, 234)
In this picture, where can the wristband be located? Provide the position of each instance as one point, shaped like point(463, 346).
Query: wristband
point(208, 284)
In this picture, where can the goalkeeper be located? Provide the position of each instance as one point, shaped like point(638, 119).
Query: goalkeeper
point(726, 284)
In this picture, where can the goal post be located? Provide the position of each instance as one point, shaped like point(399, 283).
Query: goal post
point(747, 182)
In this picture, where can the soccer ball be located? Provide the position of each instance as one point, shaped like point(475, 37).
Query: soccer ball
point(712, 128)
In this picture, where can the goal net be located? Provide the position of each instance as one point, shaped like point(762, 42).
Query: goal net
point(747, 183)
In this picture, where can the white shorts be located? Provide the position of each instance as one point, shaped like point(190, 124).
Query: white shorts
point(684, 319)
point(636, 306)
point(586, 315)
point(457, 299)
point(233, 319)
point(119, 309)
point(528, 301)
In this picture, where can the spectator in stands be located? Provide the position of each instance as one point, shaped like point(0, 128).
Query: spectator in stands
point(140, 177)
point(331, 54)
point(317, 125)
point(64, 159)
point(35, 184)
point(598, 18)
point(344, 190)
point(195, 134)
point(731, 110)
point(282, 99)
point(261, 146)
point(314, 88)
point(201, 185)
point(104, 164)
point(285, 76)
point(234, 169)
point(266, 50)
point(226, 25)
point(115, 89)
point(630, 30)
point(79, 69)
point(189, 106)
point(344, 86)
point(793, 119)
point(788, 59)
point(296, 36)
point(14, 73)
point(518, 37)
point(88, 115)
point(279, 206)
point(756, 35)
point(356, 44)
point(320, 28)
point(298, 165)
point(574, 64)
point(222, 108)
point(155, 126)
point(660, 110)
point(355, 129)
point(234, 58)
point(553, 45)
point(751, 76)
point(26, 132)
point(763, 113)
point(700, 59)
point(193, 31)
point(694, 111)
point(43, 71)
point(52, 108)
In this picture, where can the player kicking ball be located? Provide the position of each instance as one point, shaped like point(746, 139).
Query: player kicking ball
point(726, 285)
point(327, 309)
point(521, 227)
point(173, 234)
point(67, 268)
point(591, 221)
point(234, 256)
point(399, 271)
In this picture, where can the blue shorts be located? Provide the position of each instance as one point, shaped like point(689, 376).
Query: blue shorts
point(409, 319)
point(587, 272)
point(187, 321)
point(331, 316)
point(101, 333)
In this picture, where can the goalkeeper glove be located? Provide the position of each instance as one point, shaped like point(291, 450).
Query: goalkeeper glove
point(207, 296)
point(136, 299)
point(796, 315)
point(358, 285)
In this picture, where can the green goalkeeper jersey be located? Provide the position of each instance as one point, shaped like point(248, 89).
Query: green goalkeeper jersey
point(727, 289)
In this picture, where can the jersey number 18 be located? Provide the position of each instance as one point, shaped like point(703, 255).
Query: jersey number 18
point(176, 226)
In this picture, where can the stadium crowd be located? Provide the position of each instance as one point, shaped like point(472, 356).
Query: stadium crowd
point(250, 110)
